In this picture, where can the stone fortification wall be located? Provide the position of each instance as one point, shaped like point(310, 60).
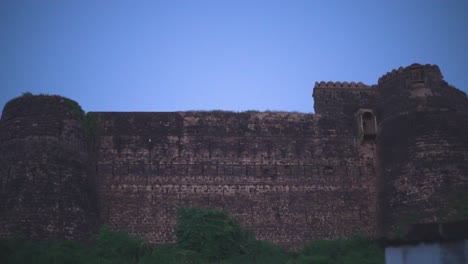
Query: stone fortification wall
point(423, 168)
point(45, 192)
point(282, 175)
point(338, 102)
point(422, 147)
point(370, 159)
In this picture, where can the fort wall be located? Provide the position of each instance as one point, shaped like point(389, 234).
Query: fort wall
point(281, 175)
point(425, 170)
point(371, 158)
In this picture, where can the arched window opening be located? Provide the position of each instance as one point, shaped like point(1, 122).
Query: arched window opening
point(366, 124)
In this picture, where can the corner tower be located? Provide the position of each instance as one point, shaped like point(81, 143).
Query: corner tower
point(422, 148)
point(45, 191)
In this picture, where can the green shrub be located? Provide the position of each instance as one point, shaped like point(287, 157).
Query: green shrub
point(117, 247)
point(342, 251)
point(91, 125)
point(203, 236)
point(171, 254)
point(20, 251)
point(211, 233)
point(260, 252)
point(76, 109)
point(89, 120)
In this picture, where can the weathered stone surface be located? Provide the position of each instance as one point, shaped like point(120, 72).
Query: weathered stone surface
point(280, 174)
point(289, 177)
point(45, 185)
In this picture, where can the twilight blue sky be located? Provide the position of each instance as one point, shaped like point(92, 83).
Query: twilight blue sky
point(231, 55)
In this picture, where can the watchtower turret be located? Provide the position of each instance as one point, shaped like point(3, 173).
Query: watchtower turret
point(44, 176)
point(422, 147)
point(417, 88)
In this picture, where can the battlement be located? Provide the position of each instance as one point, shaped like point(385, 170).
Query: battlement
point(414, 71)
point(337, 98)
point(339, 85)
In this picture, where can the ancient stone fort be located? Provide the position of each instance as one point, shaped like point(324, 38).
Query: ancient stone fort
point(370, 159)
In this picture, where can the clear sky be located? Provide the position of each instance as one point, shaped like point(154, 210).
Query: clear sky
point(230, 55)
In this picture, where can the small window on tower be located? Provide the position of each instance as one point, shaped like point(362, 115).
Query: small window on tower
point(366, 124)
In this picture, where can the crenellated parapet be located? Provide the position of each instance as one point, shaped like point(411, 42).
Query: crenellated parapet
point(417, 88)
point(413, 72)
point(343, 98)
point(391, 74)
point(328, 85)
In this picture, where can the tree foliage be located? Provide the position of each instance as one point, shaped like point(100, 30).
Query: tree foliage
point(210, 233)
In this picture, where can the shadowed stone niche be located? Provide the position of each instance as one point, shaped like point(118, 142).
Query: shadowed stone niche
point(366, 124)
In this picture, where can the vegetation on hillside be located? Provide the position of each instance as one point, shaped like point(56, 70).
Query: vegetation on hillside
point(203, 236)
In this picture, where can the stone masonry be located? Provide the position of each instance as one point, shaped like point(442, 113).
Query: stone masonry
point(369, 159)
